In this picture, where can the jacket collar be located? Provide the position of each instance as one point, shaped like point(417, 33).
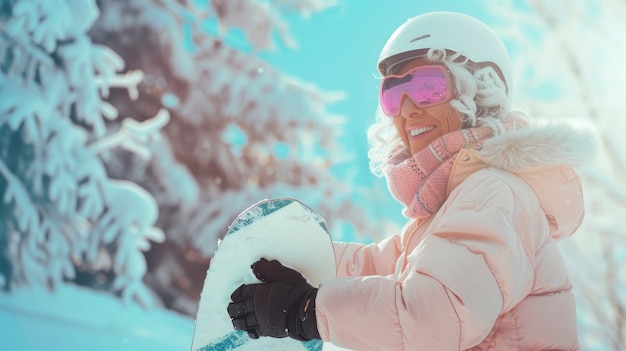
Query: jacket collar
point(543, 154)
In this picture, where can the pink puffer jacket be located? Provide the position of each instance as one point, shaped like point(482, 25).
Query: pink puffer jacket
point(485, 272)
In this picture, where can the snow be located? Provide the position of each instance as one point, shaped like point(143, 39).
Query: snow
point(75, 318)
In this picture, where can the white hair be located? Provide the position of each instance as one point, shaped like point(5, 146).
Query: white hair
point(480, 96)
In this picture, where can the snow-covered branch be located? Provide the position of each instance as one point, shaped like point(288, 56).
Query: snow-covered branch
point(129, 80)
point(25, 58)
point(133, 135)
point(26, 213)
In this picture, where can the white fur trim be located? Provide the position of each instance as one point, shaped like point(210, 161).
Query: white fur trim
point(542, 143)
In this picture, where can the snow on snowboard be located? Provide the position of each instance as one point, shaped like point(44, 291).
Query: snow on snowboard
point(283, 229)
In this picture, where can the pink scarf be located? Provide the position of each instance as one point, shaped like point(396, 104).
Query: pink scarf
point(420, 181)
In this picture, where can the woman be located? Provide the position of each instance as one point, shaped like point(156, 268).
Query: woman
point(487, 193)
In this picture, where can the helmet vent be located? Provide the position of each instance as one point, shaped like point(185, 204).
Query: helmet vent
point(420, 38)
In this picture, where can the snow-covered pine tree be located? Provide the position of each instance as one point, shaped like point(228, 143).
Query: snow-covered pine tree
point(568, 56)
point(62, 218)
point(243, 130)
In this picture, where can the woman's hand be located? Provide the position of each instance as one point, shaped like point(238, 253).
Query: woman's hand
point(283, 305)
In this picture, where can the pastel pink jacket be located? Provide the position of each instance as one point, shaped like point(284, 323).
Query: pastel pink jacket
point(484, 272)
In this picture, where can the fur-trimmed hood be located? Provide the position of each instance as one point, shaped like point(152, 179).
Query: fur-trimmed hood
point(542, 143)
point(544, 155)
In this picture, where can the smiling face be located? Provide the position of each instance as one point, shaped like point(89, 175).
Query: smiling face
point(418, 127)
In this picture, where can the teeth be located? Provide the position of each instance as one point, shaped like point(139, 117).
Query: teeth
point(418, 131)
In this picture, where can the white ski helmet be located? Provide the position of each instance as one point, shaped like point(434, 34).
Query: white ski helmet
point(452, 31)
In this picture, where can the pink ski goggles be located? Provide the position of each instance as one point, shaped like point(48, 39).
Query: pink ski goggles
point(425, 85)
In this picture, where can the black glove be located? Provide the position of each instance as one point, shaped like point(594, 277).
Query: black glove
point(283, 305)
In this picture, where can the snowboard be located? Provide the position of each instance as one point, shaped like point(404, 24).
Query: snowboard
point(284, 229)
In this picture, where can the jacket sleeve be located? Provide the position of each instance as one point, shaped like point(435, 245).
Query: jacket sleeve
point(471, 267)
point(356, 259)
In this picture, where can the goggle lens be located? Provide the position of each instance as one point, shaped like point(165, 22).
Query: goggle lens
point(425, 85)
